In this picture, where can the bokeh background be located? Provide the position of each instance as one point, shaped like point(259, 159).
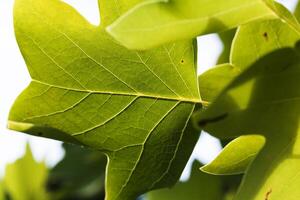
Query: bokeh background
point(14, 78)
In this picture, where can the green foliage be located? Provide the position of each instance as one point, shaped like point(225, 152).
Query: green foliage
point(249, 105)
point(138, 107)
point(297, 12)
point(88, 90)
point(236, 156)
point(153, 23)
point(213, 81)
point(226, 38)
point(2, 194)
point(253, 99)
point(26, 179)
point(199, 185)
point(79, 176)
point(262, 38)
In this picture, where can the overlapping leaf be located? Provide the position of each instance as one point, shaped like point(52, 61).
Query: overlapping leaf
point(226, 38)
point(152, 23)
point(87, 89)
point(260, 102)
point(264, 100)
point(236, 156)
point(252, 41)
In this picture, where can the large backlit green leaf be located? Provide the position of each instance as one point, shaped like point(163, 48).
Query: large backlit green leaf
point(153, 23)
point(26, 179)
point(236, 156)
point(87, 89)
point(264, 100)
point(199, 186)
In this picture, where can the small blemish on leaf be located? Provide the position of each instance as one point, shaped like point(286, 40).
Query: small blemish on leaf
point(267, 197)
point(182, 61)
point(40, 133)
point(266, 36)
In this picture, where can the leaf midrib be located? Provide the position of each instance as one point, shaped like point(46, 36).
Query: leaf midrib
point(152, 96)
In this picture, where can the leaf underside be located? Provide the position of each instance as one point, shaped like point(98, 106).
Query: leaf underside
point(89, 90)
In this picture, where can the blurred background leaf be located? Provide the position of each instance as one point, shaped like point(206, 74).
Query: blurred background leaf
point(2, 197)
point(79, 176)
point(199, 186)
point(25, 179)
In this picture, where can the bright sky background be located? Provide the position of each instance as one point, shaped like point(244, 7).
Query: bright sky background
point(14, 78)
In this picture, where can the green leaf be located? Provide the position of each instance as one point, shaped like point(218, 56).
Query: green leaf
point(25, 179)
point(80, 175)
point(261, 38)
point(252, 41)
point(264, 100)
point(226, 38)
point(297, 11)
point(236, 156)
point(89, 90)
point(157, 22)
point(2, 194)
point(213, 81)
point(199, 185)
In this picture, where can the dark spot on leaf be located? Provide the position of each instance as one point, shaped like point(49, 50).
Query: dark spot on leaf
point(212, 120)
point(266, 36)
point(267, 197)
point(182, 61)
point(40, 133)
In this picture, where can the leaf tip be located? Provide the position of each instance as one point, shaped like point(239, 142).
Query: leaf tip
point(19, 126)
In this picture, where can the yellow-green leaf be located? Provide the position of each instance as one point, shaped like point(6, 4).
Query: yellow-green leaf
point(26, 179)
point(297, 11)
point(260, 103)
point(157, 22)
point(236, 156)
point(227, 39)
point(264, 100)
point(87, 89)
point(213, 81)
point(2, 194)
